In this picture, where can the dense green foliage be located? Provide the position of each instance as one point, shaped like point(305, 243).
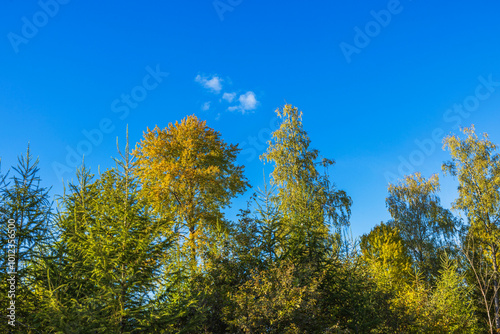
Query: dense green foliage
point(145, 247)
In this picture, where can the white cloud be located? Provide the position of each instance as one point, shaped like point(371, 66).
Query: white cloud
point(205, 106)
point(247, 102)
point(229, 97)
point(213, 84)
point(244, 103)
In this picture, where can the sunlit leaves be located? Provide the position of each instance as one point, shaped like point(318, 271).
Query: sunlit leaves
point(111, 257)
point(189, 173)
point(423, 224)
point(476, 164)
point(310, 204)
point(477, 167)
point(387, 257)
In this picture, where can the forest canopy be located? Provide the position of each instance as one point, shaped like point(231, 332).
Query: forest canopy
point(145, 246)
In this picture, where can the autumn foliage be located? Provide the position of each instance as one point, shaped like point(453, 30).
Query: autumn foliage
point(189, 174)
point(146, 247)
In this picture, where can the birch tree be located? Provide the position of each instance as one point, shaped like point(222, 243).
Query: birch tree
point(476, 165)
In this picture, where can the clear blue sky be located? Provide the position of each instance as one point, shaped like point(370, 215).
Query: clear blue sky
point(371, 77)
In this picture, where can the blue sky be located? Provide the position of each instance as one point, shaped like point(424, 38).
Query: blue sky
point(379, 82)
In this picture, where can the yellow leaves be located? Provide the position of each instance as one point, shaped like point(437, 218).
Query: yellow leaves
point(267, 302)
point(413, 187)
point(477, 166)
point(188, 167)
point(386, 256)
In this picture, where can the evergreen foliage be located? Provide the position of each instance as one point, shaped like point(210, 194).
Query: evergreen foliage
point(145, 247)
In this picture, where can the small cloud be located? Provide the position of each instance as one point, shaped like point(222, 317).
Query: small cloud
point(248, 101)
point(229, 97)
point(205, 106)
point(213, 84)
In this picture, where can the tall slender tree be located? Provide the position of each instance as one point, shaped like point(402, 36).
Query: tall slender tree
point(476, 164)
point(26, 210)
point(423, 224)
point(310, 203)
point(270, 225)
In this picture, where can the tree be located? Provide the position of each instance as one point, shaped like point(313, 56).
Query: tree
point(422, 223)
point(480, 276)
point(113, 257)
point(313, 213)
point(447, 307)
point(250, 246)
point(274, 301)
point(265, 223)
point(187, 171)
point(350, 298)
point(387, 257)
point(477, 167)
point(62, 280)
point(452, 308)
point(311, 206)
point(25, 210)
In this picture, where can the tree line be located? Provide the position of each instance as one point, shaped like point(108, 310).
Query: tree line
point(145, 247)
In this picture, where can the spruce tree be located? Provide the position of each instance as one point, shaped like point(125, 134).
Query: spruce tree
point(25, 211)
point(114, 253)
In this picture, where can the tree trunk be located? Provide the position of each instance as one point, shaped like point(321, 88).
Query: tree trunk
point(193, 246)
point(495, 286)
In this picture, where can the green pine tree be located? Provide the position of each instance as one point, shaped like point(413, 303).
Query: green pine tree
point(112, 257)
point(25, 208)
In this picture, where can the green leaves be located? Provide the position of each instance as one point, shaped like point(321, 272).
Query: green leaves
point(424, 226)
point(387, 257)
point(145, 248)
point(452, 307)
point(309, 202)
point(113, 255)
point(272, 301)
point(26, 203)
point(477, 167)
